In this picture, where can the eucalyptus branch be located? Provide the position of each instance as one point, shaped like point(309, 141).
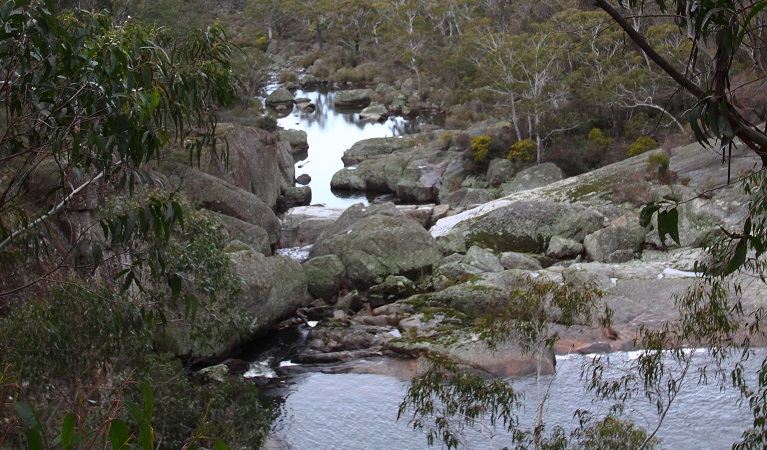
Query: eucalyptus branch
point(52, 212)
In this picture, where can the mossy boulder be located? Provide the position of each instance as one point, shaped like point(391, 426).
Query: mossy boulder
point(528, 226)
point(324, 275)
point(377, 241)
point(375, 148)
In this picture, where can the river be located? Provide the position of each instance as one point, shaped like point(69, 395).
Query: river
point(359, 411)
point(321, 409)
point(330, 132)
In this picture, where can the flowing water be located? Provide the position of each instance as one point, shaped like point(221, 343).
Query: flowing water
point(359, 411)
point(330, 132)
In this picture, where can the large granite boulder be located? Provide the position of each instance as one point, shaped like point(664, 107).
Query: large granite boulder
point(279, 96)
point(528, 226)
point(375, 175)
point(296, 138)
point(467, 197)
point(212, 193)
point(414, 175)
point(376, 241)
point(272, 289)
point(256, 161)
point(324, 275)
point(614, 244)
point(353, 98)
point(533, 177)
point(375, 148)
point(252, 235)
point(420, 181)
point(303, 225)
point(499, 171)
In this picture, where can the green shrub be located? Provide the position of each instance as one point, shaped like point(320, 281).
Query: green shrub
point(262, 43)
point(446, 140)
point(523, 151)
point(480, 146)
point(348, 75)
point(267, 123)
point(597, 138)
point(641, 145)
point(658, 163)
point(231, 411)
point(287, 77)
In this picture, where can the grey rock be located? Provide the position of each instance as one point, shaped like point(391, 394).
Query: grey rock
point(374, 148)
point(302, 226)
point(353, 98)
point(468, 197)
point(374, 113)
point(513, 260)
point(560, 248)
point(303, 179)
point(377, 241)
point(217, 373)
point(212, 193)
point(272, 289)
point(257, 162)
point(393, 288)
point(528, 226)
point(533, 177)
point(614, 244)
point(252, 235)
point(294, 196)
point(324, 275)
point(279, 96)
point(500, 170)
point(483, 259)
point(296, 138)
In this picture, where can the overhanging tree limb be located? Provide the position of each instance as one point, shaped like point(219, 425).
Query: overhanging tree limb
point(714, 102)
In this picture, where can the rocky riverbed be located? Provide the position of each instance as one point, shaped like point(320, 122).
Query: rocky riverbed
point(408, 278)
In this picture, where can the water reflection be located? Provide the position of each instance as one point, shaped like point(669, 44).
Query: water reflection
point(330, 132)
point(359, 411)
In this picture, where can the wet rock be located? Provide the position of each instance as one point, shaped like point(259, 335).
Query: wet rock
point(374, 113)
point(303, 179)
point(353, 98)
point(296, 138)
point(279, 96)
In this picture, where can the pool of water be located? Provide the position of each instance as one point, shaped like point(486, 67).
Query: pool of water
point(330, 132)
point(359, 411)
